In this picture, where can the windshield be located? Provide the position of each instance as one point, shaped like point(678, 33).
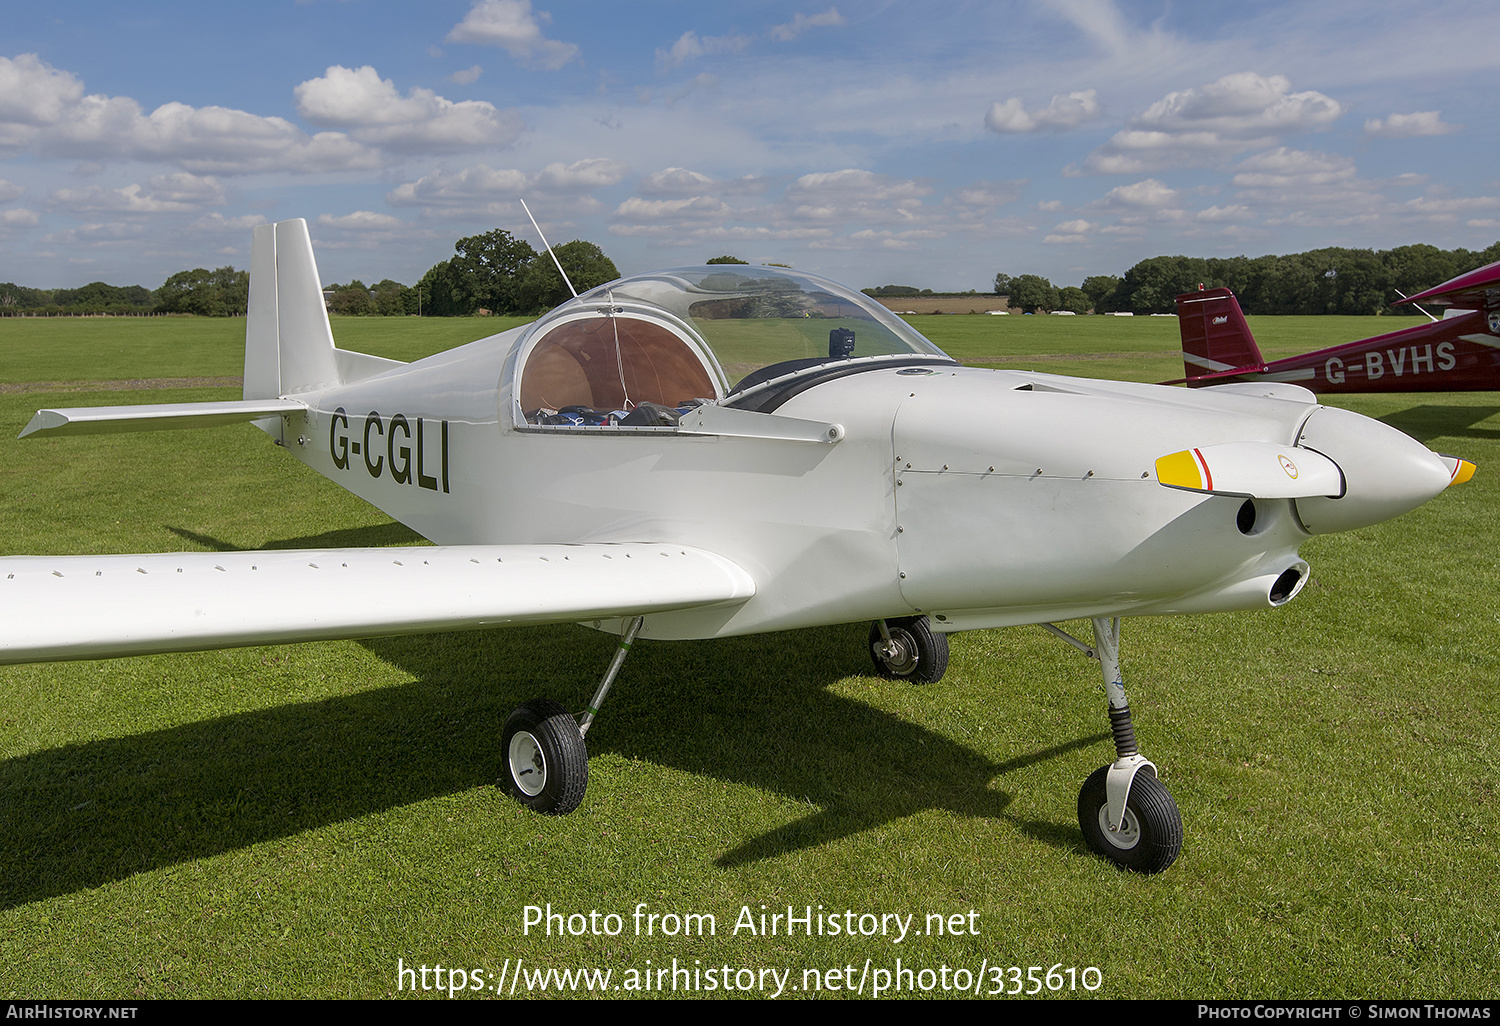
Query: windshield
point(755, 317)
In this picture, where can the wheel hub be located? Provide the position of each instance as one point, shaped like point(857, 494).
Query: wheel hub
point(899, 654)
point(1125, 838)
point(528, 768)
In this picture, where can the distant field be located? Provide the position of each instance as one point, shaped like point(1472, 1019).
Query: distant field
point(114, 348)
point(69, 349)
point(290, 821)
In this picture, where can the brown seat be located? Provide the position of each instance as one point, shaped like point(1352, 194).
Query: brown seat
point(579, 364)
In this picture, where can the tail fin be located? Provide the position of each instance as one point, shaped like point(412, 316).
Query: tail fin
point(288, 344)
point(1216, 341)
point(288, 349)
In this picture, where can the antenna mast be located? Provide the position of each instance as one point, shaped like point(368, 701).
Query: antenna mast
point(551, 254)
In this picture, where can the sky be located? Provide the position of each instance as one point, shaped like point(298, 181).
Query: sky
point(915, 143)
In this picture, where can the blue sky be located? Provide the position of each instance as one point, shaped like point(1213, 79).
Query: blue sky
point(916, 143)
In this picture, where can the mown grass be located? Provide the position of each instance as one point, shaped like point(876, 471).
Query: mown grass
point(290, 821)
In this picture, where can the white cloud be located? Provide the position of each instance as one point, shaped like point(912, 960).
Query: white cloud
point(581, 175)
point(1210, 123)
point(468, 76)
point(675, 181)
point(1448, 208)
point(1148, 193)
point(485, 190)
point(690, 46)
point(1291, 173)
point(448, 189)
point(696, 209)
point(989, 194)
point(1406, 126)
point(361, 220)
point(1306, 189)
point(33, 92)
point(886, 239)
point(45, 111)
point(10, 191)
point(110, 234)
point(373, 112)
point(1069, 232)
point(853, 194)
point(1243, 105)
point(217, 222)
point(511, 25)
point(1067, 110)
point(799, 24)
point(19, 217)
point(1232, 212)
point(174, 193)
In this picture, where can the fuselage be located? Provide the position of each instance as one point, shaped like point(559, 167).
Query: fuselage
point(978, 497)
point(852, 469)
point(1458, 353)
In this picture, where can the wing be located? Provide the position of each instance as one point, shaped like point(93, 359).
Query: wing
point(91, 607)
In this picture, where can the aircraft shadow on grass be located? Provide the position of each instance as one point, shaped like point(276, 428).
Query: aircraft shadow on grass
point(1431, 421)
point(756, 711)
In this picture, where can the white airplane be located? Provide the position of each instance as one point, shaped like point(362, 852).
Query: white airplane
point(710, 451)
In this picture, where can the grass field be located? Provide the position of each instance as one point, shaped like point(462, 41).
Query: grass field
point(293, 821)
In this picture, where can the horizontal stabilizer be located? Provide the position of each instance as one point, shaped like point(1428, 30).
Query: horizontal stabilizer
point(98, 420)
point(92, 607)
point(1253, 470)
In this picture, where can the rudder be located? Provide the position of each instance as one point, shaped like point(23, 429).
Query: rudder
point(1216, 341)
point(288, 343)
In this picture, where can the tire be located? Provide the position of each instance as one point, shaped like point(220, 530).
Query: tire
point(922, 653)
point(1151, 837)
point(546, 763)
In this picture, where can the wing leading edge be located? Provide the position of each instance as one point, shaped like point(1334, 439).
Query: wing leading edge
point(93, 607)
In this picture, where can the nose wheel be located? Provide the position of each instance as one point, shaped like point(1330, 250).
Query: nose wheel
point(1124, 811)
point(1149, 836)
point(909, 649)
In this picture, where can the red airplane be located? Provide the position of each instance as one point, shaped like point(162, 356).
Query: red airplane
point(1461, 352)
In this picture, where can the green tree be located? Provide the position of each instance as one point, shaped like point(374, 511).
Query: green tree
point(1032, 292)
point(1100, 289)
point(1002, 284)
point(391, 298)
point(543, 288)
point(351, 300)
point(727, 260)
point(224, 292)
point(1074, 299)
point(439, 294)
point(487, 271)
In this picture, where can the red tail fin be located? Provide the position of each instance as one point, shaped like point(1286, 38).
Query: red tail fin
point(1216, 341)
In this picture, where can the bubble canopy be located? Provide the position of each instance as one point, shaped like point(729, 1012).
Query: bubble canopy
point(715, 330)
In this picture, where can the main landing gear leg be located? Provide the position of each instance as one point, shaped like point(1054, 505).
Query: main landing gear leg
point(546, 762)
point(1126, 815)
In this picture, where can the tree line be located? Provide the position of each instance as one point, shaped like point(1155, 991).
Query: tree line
point(493, 273)
point(1320, 281)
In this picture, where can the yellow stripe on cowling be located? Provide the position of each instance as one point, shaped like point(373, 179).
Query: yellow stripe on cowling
point(1463, 473)
point(1179, 470)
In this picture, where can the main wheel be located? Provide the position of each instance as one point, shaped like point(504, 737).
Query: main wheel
point(1150, 838)
point(546, 763)
point(920, 654)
